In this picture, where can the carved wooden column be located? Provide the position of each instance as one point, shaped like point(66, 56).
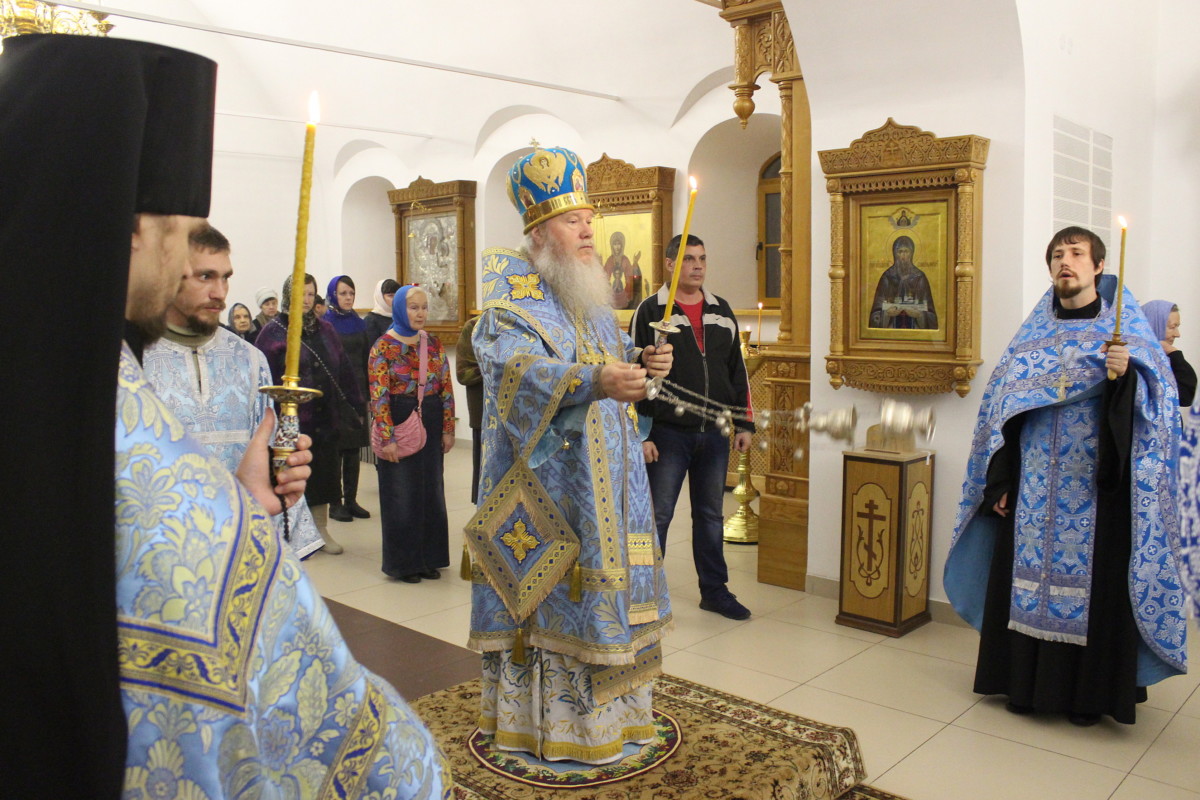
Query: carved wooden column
point(763, 44)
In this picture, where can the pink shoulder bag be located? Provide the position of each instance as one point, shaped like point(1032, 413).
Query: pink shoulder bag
point(408, 436)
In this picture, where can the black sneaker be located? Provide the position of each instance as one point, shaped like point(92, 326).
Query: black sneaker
point(340, 513)
point(727, 606)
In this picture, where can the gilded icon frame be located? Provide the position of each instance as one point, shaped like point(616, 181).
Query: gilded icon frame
point(435, 247)
point(635, 201)
point(893, 329)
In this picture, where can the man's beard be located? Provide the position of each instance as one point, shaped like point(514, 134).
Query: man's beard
point(579, 285)
point(1067, 292)
point(150, 325)
point(200, 326)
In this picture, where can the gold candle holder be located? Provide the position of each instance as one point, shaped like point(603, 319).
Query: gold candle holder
point(742, 527)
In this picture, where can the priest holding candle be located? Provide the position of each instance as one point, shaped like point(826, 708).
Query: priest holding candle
point(1062, 554)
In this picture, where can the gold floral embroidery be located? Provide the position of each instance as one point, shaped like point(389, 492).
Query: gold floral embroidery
point(162, 776)
point(359, 746)
point(520, 540)
point(526, 286)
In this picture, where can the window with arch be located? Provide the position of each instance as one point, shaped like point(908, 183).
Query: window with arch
point(769, 223)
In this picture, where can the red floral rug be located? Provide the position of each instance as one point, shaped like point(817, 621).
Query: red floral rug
point(726, 747)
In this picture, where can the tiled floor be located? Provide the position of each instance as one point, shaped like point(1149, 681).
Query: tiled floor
point(924, 734)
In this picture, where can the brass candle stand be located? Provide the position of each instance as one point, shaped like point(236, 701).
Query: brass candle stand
point(742, 527)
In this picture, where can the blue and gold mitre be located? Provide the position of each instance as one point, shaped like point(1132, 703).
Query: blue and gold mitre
point(547, 182)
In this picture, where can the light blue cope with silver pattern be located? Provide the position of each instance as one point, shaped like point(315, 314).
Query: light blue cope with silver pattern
point(214, 390)
point(1055, 509)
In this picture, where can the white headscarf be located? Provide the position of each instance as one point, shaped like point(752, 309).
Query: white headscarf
point(382, 306)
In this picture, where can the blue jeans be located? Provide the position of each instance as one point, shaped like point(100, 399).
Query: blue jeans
point(703, 457)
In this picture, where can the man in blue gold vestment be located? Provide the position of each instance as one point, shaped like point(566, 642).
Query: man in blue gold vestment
point(1062, 556)
point(569, 597)
point(204, 665)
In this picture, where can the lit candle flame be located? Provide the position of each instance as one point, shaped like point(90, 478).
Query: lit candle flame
point(314, 108)
point(693, 182)
point(1124, 224)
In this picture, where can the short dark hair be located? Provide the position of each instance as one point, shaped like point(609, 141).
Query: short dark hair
point(1075, 234)
point(206, 237)
point(346, 279)
point(673, 245)
point(389, 286)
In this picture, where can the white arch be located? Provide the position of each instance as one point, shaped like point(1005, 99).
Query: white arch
point(503, 116)
point(715, 80)
point(368, 236)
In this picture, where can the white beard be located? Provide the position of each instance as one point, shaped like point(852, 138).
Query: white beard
point(579, 285)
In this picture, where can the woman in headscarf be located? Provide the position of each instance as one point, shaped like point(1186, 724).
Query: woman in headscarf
point(241, 323)
point(268, 307)
point(412, 497)
point(1164, 320)
point(352, 429)
point(379, 319)
point(323, 366)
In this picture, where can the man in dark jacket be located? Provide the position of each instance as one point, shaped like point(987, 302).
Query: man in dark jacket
point(708, 361)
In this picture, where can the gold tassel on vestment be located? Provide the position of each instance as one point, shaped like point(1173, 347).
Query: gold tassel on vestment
point(575, 595)
point(518, 656)
point(465, 570)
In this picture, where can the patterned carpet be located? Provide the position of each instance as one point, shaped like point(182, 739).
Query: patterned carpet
point(730, 748)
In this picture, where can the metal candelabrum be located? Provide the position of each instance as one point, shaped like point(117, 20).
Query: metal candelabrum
point(742, 527)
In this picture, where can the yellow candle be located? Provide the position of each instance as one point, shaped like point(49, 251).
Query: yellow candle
point(687, 224)
point(759, 325)
point(296, 309)
point(1121, 278)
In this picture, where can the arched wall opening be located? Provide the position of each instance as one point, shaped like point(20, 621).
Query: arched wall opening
point(726, 162)
point(368, 236)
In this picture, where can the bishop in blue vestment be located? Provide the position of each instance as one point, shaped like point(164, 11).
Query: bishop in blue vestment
point(569, 599)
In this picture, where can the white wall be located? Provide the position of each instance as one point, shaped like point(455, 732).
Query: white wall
point(1092, 62)
point(1175, 204)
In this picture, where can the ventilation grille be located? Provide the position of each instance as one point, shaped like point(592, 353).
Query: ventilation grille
point(1082, 178)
